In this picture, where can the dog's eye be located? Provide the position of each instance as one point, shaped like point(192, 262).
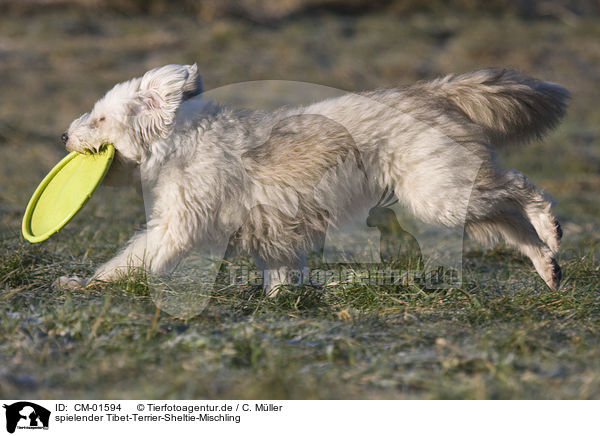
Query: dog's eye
point(98, 121)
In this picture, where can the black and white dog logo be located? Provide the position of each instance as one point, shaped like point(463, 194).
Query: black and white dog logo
point(26, 415)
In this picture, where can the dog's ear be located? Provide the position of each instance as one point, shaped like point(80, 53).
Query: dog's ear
point(193, 84)
point(160, 94)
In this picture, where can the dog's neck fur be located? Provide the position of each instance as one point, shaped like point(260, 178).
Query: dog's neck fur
point(157, 152)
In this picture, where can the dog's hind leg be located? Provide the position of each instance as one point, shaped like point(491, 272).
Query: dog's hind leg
point(537, 208)
point(499, 205)
point(516, 230)
point(504, 204)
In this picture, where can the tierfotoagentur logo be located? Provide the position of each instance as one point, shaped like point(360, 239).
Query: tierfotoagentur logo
point(25, 415)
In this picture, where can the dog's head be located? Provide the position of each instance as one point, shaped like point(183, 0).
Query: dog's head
point(135, 113)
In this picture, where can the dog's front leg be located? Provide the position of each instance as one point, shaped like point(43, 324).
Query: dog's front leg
point(277, 274)
point(133, 256)
point(156, 249)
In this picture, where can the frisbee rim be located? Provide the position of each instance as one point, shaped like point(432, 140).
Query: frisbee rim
point(33, 201)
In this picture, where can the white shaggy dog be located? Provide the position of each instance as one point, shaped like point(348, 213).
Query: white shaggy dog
point(269, 178)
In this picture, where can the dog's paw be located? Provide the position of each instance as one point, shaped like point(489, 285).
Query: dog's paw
point(555, 275)
point(73, 282)
point(551, 274)
point(548, 269)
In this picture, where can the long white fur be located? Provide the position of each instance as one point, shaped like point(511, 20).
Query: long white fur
point(269, 176)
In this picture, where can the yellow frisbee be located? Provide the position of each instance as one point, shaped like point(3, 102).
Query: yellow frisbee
point(63, 192)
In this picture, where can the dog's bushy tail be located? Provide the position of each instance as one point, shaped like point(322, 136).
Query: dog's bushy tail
point(510, 106)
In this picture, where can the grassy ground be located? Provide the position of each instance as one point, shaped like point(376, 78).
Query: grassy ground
point(501, 335)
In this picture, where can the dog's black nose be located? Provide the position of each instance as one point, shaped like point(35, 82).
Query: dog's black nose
point(64, 137)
